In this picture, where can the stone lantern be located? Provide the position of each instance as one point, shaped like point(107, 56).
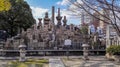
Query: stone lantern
point(22, 50)
point(85, 51)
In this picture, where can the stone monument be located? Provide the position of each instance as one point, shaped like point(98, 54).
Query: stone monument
point(64, 21)
point(59, 18)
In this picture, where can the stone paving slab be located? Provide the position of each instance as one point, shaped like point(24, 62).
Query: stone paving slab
point(55, 62)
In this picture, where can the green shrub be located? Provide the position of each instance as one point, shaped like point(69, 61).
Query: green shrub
point(114, 49)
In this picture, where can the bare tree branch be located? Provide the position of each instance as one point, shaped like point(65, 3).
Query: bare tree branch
point(110, 8)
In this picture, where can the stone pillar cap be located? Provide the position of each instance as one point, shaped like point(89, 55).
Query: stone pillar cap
point(21, 46)
point(85, 45)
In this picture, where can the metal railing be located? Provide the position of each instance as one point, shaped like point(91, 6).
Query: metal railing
point(51, 48)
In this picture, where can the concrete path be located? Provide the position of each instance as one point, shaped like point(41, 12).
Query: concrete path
point(55, 62)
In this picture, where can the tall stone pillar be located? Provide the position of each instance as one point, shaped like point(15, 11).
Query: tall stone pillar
point(59, 18)
point(53, 18)
point(108, 36)
point(64, 21)
point(53, 14)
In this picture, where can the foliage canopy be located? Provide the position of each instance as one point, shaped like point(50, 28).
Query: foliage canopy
point(17, 18)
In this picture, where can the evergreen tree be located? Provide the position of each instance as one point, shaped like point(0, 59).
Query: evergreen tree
point(17, 18)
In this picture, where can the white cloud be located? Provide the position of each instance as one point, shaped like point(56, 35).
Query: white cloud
point(72, 7)
point(63, 12)
point(58, 3)
point(79, 1)
point(38, 12)
point(63, 2)
point(69, 14)
point(66, 2)
point(66, 13)
point(70, 19)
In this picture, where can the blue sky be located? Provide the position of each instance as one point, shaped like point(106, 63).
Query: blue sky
point(39, 7)
point(43, 3)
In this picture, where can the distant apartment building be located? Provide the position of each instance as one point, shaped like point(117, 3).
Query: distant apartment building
point(99, 23)
point(95, 21)
point(85, 18)
point(102, 24)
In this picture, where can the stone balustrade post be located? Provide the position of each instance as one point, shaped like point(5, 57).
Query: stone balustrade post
point(85, 51)
point(22, 50)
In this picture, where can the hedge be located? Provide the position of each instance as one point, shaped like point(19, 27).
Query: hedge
point(114, 49)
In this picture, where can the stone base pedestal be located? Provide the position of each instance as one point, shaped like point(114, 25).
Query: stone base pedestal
point(22, 59)
point(85, 51)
